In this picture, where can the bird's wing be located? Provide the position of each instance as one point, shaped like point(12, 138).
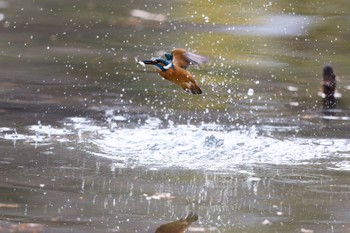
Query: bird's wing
point(196, 59)
point(183, 59)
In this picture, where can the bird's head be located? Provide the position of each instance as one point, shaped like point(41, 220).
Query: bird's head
point(168, 56)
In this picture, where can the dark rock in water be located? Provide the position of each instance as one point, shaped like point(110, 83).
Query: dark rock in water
point(328, 87)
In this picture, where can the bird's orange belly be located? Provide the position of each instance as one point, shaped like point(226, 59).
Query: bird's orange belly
point(176, 76)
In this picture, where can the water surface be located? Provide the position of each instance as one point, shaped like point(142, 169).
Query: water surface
point(91, 142)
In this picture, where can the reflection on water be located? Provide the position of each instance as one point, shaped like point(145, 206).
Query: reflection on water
point(277, 25)
point(67, 189)
point(90, 142)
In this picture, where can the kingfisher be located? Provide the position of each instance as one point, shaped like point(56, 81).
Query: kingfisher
point(173, 68)
point(178, 226)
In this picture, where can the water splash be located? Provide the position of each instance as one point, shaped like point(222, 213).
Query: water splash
point(154, 146)
point(194, 147)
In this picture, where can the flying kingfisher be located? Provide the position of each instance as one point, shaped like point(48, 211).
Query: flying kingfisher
point(173, 68)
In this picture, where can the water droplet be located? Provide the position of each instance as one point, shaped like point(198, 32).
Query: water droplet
point(250, 92)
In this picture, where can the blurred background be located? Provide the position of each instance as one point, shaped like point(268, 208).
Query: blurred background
point(93, 142)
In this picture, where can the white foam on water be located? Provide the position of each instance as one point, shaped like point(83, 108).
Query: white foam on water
point(203, 147)
point(206, 146)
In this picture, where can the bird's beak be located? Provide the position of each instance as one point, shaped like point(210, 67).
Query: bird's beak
point(149, 62)
point(146, 62)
